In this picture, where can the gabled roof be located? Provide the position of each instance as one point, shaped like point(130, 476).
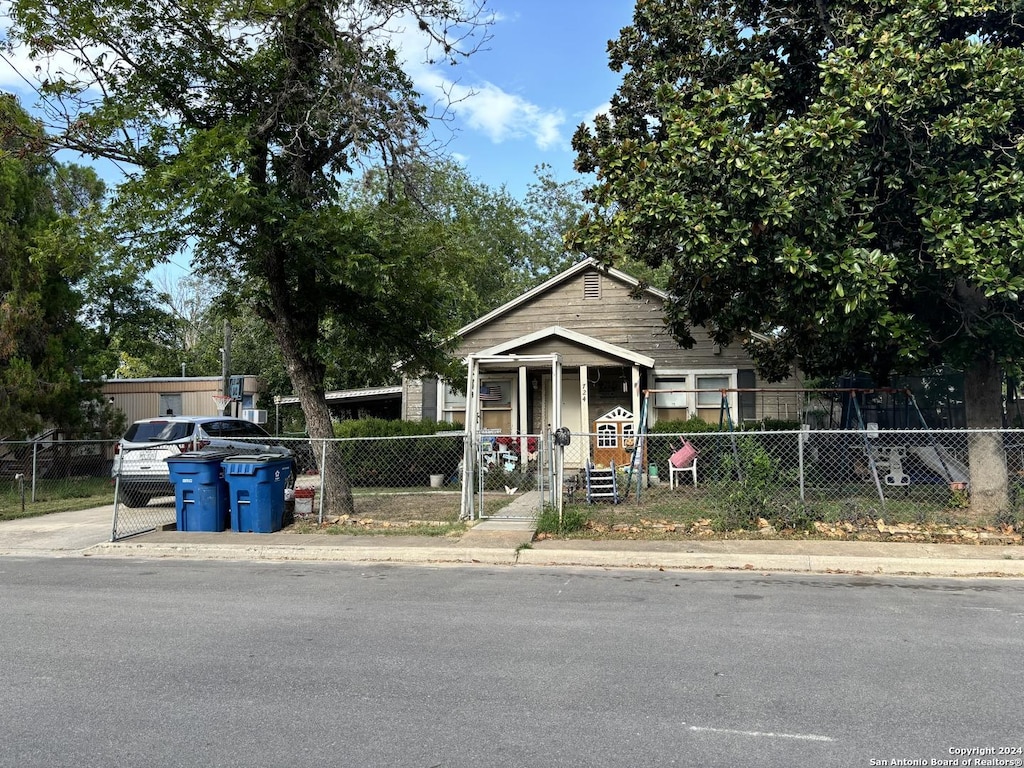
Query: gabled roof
point(557, 331)
point(562, 277)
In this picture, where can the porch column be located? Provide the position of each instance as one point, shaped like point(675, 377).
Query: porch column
point(523, 411)
point(584, 399)
point(637, 398)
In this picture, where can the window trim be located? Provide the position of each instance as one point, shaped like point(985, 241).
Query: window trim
point(691, 375)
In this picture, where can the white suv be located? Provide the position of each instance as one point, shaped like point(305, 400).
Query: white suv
point(139, 458)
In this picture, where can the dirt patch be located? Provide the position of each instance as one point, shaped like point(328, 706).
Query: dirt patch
point(865, 530)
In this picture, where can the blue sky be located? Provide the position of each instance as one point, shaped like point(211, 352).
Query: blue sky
point(543, 72)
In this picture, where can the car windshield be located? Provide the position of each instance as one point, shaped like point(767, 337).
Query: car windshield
point(158, 431)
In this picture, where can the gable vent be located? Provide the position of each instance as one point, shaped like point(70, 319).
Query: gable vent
point(592, 285)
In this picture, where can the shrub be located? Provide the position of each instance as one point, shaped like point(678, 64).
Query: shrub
point(690, 426)
point(391, 428)
point(751, 478)
point(406, 459)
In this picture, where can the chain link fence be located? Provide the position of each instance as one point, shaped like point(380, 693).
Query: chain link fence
point(54, 475)
point(790, 479)
point(793, 479)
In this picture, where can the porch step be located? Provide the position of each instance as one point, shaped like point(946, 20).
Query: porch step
point(601, 485)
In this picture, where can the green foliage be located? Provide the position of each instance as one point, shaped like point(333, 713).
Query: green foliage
point(574, 519)
point(693, 425)
point(407, 457)
point(749, 481)
point(391, 428)
point(794, 517)
point(45, 350)
point(847, 176)
point(958, 498)
point(247, 179)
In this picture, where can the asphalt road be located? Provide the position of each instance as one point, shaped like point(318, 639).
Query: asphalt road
point(168, 663)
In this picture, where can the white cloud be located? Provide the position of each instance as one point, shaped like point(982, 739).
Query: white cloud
point(590, 116)
point(502, 116)
point(499, 115)
point(483, 106)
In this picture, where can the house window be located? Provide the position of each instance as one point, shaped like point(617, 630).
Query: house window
point(709, 397)
point(170, 404)
point(672, 405)
point(696, 393)
point(496, 404)
point(454, 406)
point(592, 286)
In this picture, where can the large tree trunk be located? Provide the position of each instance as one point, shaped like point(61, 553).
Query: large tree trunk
point(335, 486)
point(983, 399)
point(296, 330)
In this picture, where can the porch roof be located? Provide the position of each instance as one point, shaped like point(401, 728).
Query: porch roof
point(574, 337)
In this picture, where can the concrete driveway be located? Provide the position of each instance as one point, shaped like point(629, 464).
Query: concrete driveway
point(56, 535)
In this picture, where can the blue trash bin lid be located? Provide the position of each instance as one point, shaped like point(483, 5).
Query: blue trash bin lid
point(257, 458)
point(205, 455)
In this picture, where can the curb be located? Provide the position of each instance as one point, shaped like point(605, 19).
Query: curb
point(794, 563)
point(889, 566)
point(288, 552)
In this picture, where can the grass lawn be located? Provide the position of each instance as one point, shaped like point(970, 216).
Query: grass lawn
point(52, 496)
point(725, 512)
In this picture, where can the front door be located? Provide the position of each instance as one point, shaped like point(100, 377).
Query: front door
point(572, 415)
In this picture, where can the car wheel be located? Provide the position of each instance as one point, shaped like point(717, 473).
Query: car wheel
point(133, 497)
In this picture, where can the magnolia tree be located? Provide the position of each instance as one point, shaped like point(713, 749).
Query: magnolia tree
point(845, 176)
point(236, 123)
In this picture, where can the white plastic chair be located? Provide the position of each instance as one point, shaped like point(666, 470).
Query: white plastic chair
point(673, 470)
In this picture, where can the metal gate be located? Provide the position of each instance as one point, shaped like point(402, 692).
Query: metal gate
point(512, 476)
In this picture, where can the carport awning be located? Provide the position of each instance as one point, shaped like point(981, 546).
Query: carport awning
point(365, 395)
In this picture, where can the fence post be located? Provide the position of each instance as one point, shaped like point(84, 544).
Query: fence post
point(35, 465)
point(801, 438)
point(323, 476)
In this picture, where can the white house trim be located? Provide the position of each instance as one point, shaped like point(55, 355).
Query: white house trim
point(557, 331)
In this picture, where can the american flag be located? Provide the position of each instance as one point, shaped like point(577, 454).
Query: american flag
point(490, 392)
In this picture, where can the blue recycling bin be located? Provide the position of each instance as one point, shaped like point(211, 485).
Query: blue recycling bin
point(256, 491)
point(200, 493)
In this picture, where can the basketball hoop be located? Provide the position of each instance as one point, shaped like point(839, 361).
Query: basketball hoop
point(222, 402)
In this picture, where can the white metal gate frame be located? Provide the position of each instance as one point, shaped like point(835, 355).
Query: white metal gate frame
point(472, 499)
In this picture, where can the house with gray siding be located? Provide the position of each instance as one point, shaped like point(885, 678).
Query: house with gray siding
point(612, 345)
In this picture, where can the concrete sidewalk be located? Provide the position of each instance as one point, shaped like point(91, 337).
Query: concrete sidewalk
point(506, 542)
point(57, 535)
